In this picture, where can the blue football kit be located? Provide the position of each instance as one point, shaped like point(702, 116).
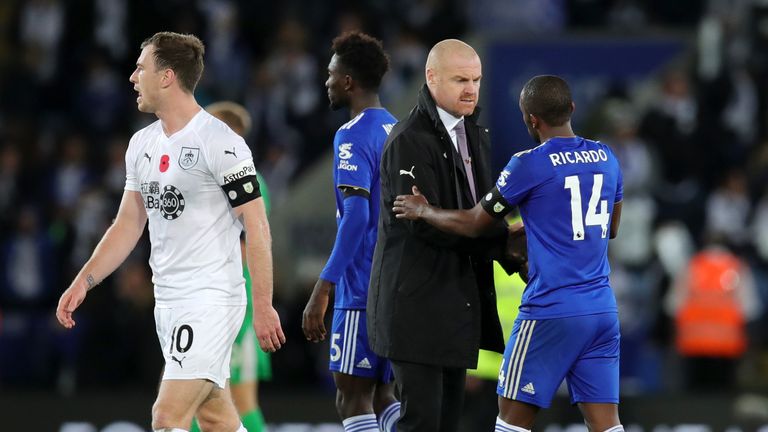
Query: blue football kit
point(357, 154)
point(567, 327)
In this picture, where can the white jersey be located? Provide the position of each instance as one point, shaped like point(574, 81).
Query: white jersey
point(193, 230)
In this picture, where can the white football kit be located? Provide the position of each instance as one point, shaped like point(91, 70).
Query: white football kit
point(189, 183)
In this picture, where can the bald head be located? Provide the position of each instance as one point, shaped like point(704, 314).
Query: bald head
point(449, 49)
point(453, 73)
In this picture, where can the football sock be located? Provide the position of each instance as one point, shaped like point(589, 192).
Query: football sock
point(254, 421)
point(617, 428)
point(502, 426)
point(195, 427)
point(361, 423)
point(389, 417)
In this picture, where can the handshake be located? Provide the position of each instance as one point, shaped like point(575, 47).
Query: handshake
point(472, 223)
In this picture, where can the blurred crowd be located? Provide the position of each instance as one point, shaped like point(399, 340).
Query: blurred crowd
point(693, 144)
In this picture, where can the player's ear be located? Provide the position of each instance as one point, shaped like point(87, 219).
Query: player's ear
point(347, 83)
point(573, 107)
point(533, 120)
point(169, 76)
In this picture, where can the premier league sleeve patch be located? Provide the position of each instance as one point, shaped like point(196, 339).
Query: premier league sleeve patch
point(240, 183)
point(495, 204)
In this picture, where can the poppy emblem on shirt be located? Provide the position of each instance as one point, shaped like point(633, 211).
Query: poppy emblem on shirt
point(164, 163)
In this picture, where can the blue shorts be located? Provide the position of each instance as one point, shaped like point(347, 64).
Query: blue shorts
point(350, 352)
point(540, 353)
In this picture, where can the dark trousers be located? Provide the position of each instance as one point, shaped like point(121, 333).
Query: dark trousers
point(431, 397)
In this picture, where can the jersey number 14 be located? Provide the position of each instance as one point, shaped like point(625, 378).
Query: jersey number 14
point(592, 218)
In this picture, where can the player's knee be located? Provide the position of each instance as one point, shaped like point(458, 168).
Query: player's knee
point(381, 400)
point(164, 417)
point(350, 403)
point(218, 423)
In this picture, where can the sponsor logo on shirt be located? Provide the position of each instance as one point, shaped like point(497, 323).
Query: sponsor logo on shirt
point(345, 151)
point(503, 178)
point(346, 166)
point(243, 169)
point(170, 202)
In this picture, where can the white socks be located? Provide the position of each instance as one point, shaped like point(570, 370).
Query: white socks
point(502, 426)
point(361, 423)
point(389, 417)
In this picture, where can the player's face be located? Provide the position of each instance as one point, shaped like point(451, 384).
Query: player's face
point(528, 120)
point(336, 85)
point(146, 80)
point(456, 84)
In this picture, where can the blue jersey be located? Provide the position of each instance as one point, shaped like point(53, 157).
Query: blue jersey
point(357, 154)
point(565, 189)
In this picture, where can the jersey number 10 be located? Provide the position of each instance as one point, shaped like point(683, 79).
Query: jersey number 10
point(592, 218)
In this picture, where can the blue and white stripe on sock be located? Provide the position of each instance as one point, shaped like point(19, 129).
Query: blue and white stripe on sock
point(361, 423)
point(389, 417)
point(502, 426)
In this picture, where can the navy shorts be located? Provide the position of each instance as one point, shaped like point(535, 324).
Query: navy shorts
point(350, 352)
point(583, 350)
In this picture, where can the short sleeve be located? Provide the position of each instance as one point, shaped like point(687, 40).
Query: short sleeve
point(354, 162)
point(231, 163)
point(131, 176)
point(516, 180)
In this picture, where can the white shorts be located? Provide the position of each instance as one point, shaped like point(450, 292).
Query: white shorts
point(197, 340)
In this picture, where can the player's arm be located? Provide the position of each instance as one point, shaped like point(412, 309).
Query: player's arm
point(112, 250)
point(615, 219)
point(468, 223)
point(405, 165)
point(258, 252)
point(348, 239)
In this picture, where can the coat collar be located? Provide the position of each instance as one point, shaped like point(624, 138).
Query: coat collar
point(427, 104)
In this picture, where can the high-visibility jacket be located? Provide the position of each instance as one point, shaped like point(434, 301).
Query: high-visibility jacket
point(710, 321)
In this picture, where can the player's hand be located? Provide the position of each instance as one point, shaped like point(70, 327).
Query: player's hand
point(266, 323)
point(312, 321)
point(410, 207)
point(69, 301)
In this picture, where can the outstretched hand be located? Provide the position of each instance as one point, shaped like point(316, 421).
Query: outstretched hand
point(410, 207)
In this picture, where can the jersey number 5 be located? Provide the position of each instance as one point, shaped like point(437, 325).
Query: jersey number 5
point(593, 218)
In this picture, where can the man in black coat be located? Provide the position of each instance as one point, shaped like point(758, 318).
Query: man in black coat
point(431, 301)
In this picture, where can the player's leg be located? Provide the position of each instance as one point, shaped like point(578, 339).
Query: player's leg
point(354, 402)
point(594, 379)
point(515, 415)
point(354, 370)
point(196, 342)
point(601, 417)
point(177, 401)
point(249, 364)
point(217, 413)
point(385, 405)
point(537, 357)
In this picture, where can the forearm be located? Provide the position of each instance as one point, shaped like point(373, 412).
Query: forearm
point(459, 222)
point(348, 238)
point(258, 251)
point(114, 247)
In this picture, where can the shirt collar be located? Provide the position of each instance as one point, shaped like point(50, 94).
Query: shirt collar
point(449, 121)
